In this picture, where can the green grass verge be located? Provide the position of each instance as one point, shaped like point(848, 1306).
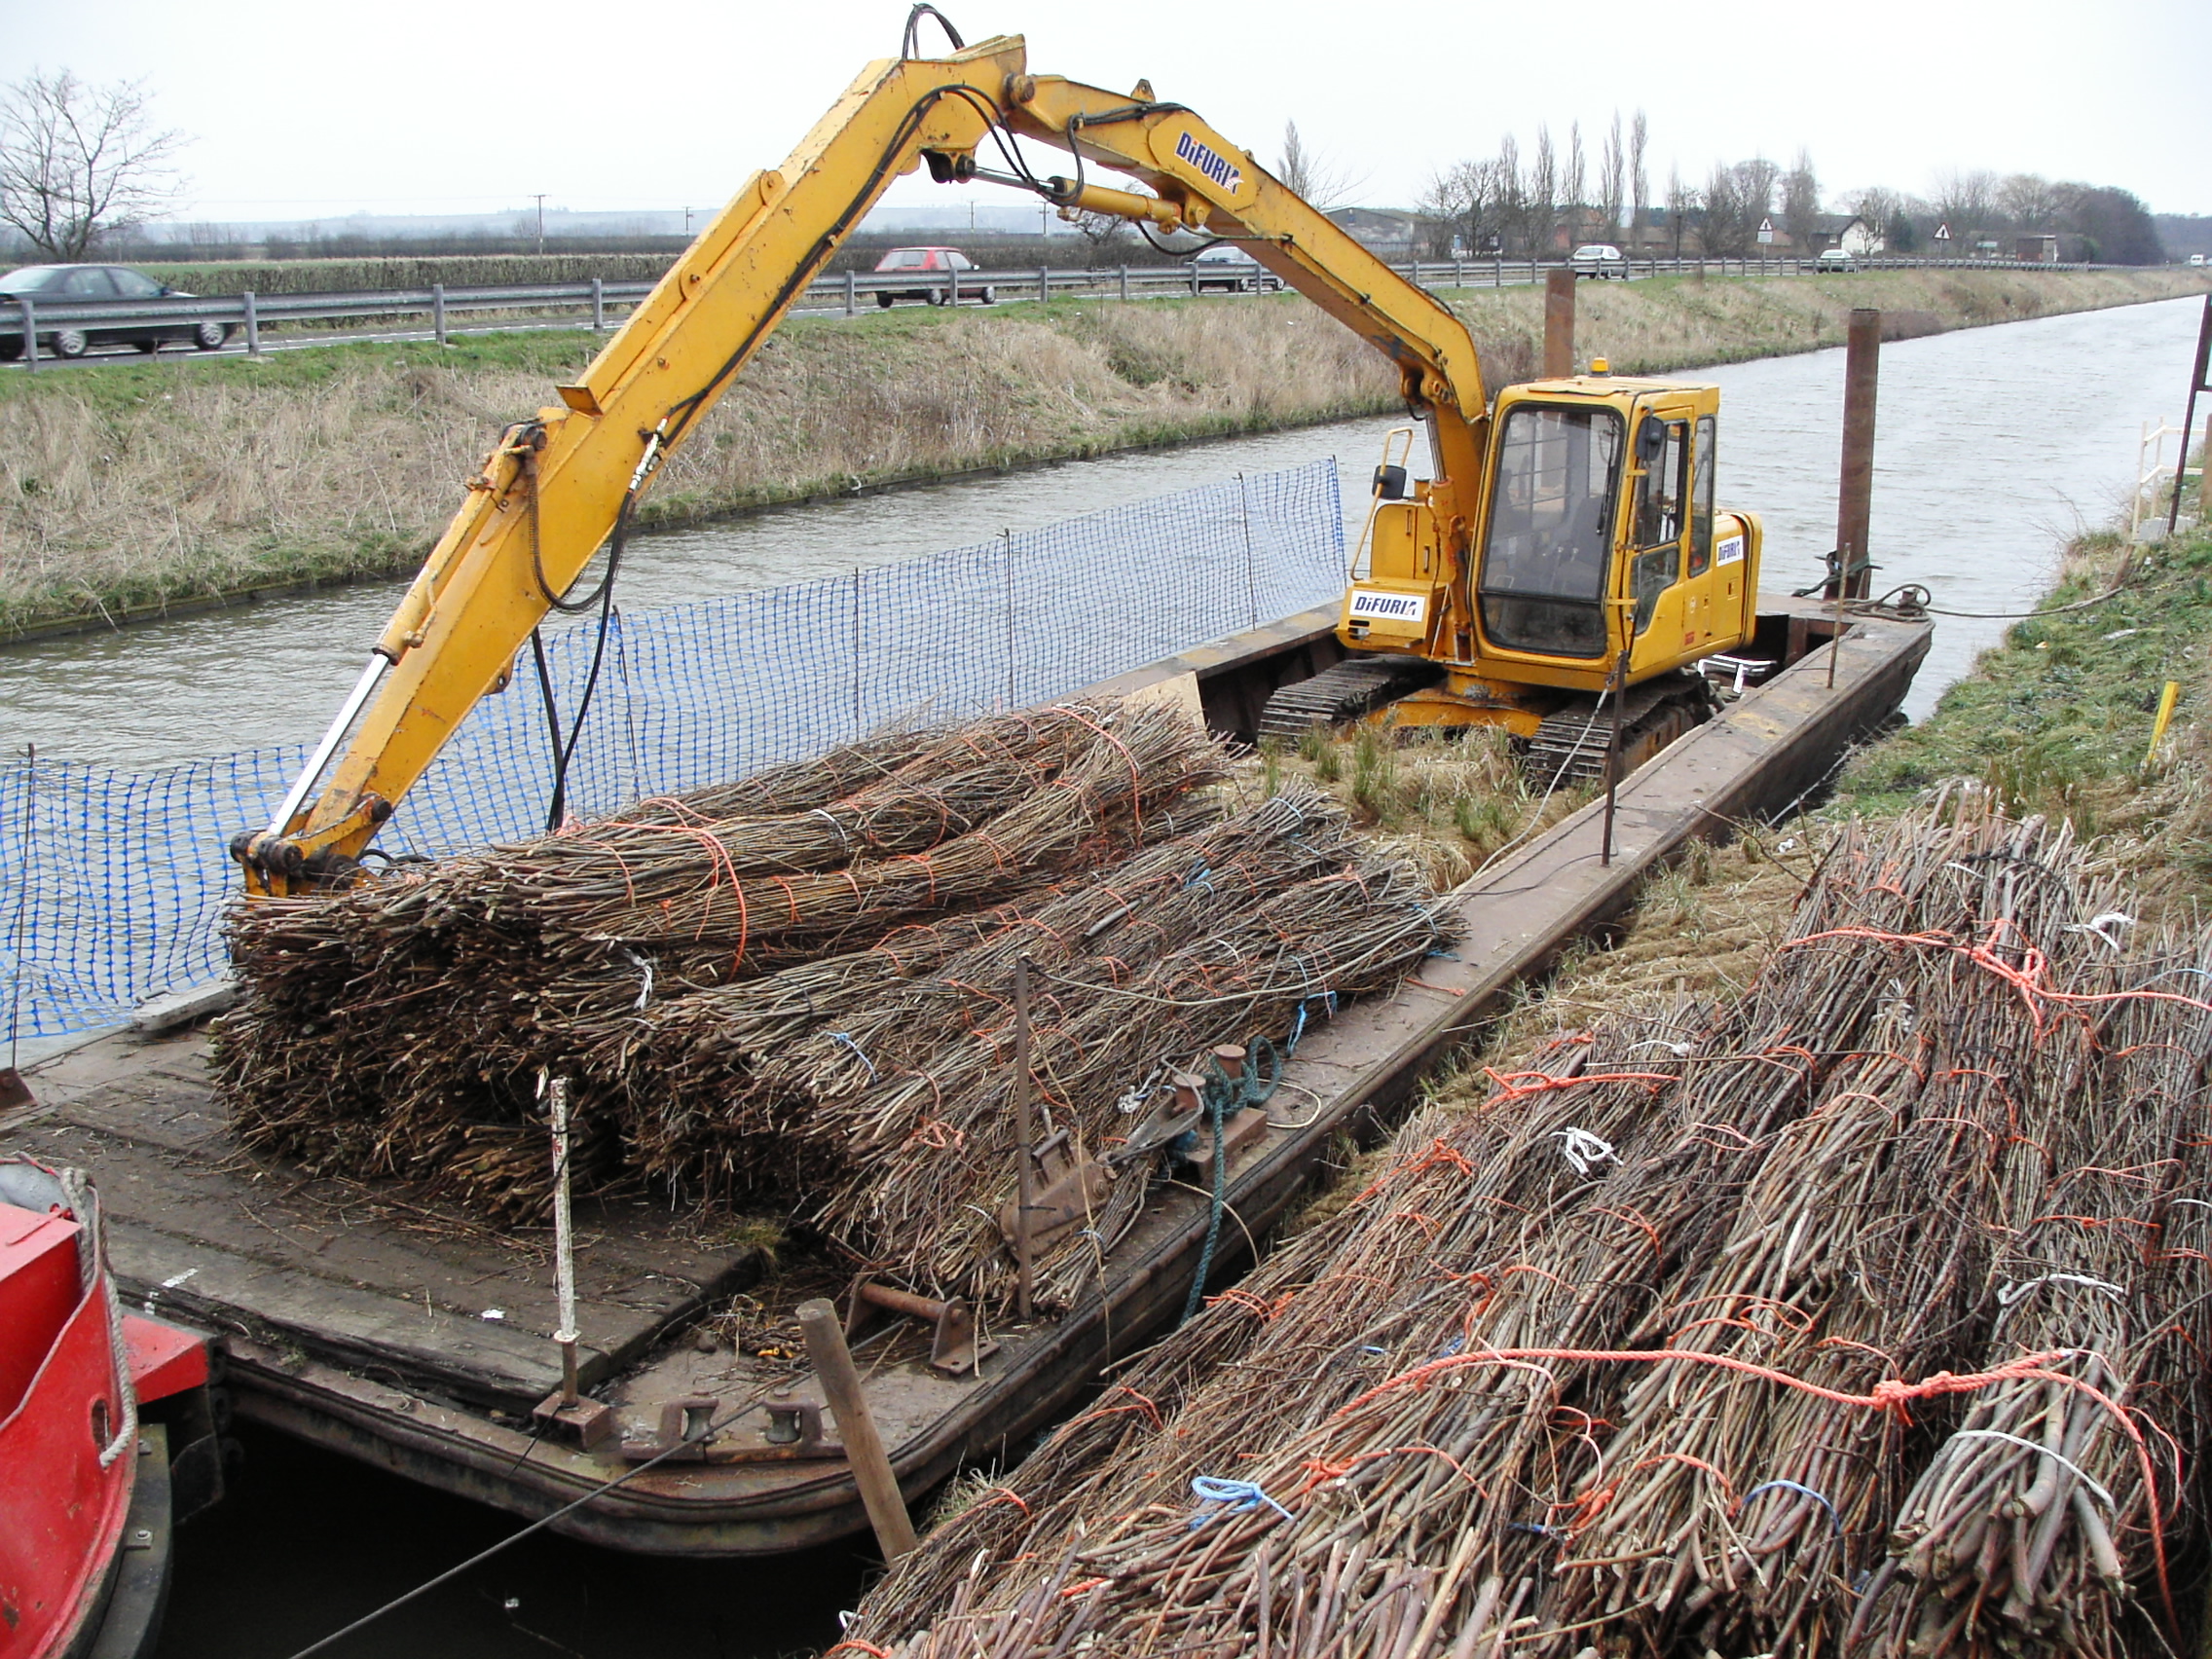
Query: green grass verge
point(2057, 718)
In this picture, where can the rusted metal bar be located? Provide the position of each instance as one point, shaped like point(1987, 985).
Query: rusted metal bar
point(1853, 577)
point(1027, 1186)
point(1558, 323)
point(2197, 383)
point(864, 1446)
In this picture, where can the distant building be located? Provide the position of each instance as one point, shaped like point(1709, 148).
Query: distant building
point(2036, 249)
point(1385, 230)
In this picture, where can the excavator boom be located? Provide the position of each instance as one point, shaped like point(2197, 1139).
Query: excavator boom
point(566, 483)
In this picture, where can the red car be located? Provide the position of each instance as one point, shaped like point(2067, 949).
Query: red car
point(939, 266)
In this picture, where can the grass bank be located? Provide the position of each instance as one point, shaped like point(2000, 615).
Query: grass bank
point(131, 487)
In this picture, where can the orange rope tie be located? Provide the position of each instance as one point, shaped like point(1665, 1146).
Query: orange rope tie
point(1891, 1394)
point(1651, 1233)
point(927, 868)
point(854, 1645)
point(1798, 1319)
point(1429, 1222)
point(1319, 1470)
point(1727, 1488)
point(1143, 1406)
point(791, 898)
point(1516, 1085)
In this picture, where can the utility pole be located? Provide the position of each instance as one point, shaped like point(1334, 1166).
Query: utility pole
point(686, 223)
point(542, 223)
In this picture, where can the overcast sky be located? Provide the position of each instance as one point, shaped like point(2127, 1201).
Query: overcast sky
point(317, 110)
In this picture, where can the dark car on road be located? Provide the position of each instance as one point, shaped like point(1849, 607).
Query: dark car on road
point(95, 284)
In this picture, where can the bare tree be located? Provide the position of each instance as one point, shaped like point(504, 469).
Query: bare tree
point(1879, 210)
point(1462, 209)
point(1512, 191)
point(1574, 190)
point(1682, 202)
point(1736, 201)
point(2031, 202)
point(79, 163)
point(1100, 233)
point(1612, 177)
point(1966, 202)
point(1638, 181)
point(1802, 205)
point(1311, 174)
point(1539, 213)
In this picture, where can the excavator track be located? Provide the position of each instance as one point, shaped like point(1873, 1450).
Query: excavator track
point(1569, 748)
point(1345, 692)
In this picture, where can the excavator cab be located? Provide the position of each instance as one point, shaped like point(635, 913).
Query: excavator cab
point(1597, 535)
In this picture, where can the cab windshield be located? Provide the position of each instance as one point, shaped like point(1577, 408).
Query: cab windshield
point(1544, 567)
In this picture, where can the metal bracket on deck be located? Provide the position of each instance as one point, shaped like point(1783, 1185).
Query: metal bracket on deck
point(580, 1422)
point(1068, 1194)
point(954, 1347)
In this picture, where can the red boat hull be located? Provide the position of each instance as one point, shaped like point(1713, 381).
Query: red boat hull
point(71, 1454)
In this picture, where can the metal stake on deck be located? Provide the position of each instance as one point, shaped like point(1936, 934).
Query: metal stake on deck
point(1026, 1192)
point(563, 1240)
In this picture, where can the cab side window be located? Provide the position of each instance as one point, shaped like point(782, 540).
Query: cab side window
point(1700, 499)
point(1660, 496)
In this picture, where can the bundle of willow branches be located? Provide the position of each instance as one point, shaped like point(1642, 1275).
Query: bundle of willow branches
point(1863, 1313)
point(876, 1089)
point(398, 1027)
point(814, 1006)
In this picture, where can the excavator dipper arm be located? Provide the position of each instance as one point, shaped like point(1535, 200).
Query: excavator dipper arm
point(560, 486)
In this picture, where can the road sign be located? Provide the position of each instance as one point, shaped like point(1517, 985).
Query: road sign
point(1942, 232)
point(1766, 229)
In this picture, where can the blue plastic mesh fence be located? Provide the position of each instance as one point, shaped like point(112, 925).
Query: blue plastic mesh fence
point(112, 884)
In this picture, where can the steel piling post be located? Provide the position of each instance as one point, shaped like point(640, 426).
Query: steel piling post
point(1558, 323)
point(864, 1444)
point(1855, 495)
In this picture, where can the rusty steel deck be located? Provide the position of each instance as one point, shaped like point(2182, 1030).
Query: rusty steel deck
point(404, 1333)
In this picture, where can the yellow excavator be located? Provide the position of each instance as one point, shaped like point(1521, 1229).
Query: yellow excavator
point(1557, 575)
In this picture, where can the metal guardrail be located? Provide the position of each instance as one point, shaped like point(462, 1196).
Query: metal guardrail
point(249, 314)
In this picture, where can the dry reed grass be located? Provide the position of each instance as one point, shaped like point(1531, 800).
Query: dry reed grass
point(209, 477)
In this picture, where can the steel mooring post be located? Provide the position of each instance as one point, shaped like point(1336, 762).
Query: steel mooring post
point(863, 1445)
point(1558, 323)
point(2197, 383)
point(1854, 576)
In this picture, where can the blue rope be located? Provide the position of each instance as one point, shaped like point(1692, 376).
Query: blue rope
point(846, 1038)
point(1224, 1094)
point(1793, 1485)
point(1235, 1495)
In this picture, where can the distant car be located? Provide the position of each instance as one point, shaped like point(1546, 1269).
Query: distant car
point(1835, 259)
point(940, 263)
point(1226, 267)
point(1599, 259)
point(112, 283)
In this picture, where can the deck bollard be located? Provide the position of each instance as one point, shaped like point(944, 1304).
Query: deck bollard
point(252, 325)
point(438, 311)
point(598, 306)
point(863, 1445)
point(30, 335)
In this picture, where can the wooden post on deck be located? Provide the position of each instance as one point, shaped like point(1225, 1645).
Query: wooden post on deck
point(1558, 323)
point(864, 1446)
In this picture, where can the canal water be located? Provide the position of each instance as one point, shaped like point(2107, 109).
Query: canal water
point(1994, 446)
